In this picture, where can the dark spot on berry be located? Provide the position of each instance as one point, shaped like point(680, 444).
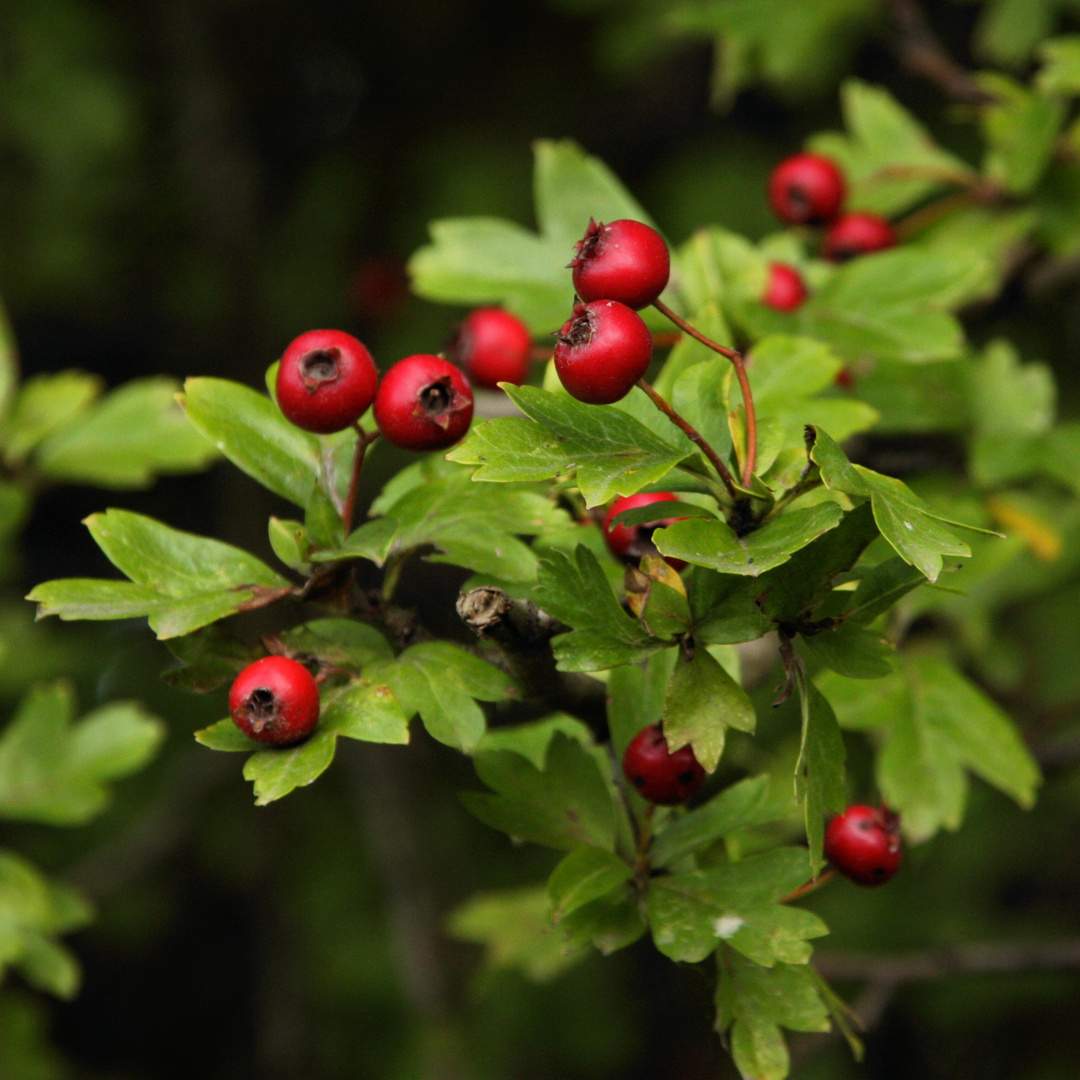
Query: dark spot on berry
point(436, 397)
point(879, 871)
point(866, 825)
point(801, 206)
point(261, 708)
point(687, 777)
point(638, 781)
point(319, 367)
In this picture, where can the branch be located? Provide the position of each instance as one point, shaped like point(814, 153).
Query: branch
point(523, 633)
point(923, 54)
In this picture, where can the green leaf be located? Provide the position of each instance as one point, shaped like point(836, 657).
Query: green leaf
point(531, 739)
point(888, 305)
point(93, 598)
point(743, 804)
point(9, 362)
point(614, 453)
point(515, 448)
point(906, 522)
point(1009, 30)
point(721, 268)
point(1021, 128)
point(725, 608)
point(754, 1002)
point(1061, 65)
point(852, 651)
point(715, 544)
point(208, 659)
point(635, 697)
point(701, 703)
point(879, 589)
point(277, 772)
point(225, 735)
point(248, 428)
point(586, 874)
point(439, 681)
point(611, 922)
point(55, 771)
point(365, 711)
point(473, 525)
point(566, 804)
point(290, 543)
point(126, 439)
point(936, 724)
point(888, 158)
point(578, 593)
point(339, 642)
point(46, 403)
point(819, 772)
point(515, 928)
point(738, 903)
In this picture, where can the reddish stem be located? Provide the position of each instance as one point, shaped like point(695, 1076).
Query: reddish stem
point(693, 435)
point(736, 359)
point(809, 886)
point(362, 443)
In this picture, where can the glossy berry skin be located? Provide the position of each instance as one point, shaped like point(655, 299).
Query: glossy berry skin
point(275, 701)
point(857, 234)
point(423, 403)
point(786, 290)
point(602, 350)
point(806, 189)
point(658, 775)
point(624, 260)
point(493, 346)
point(630, 542)
point(863, 843)
point(326, 381)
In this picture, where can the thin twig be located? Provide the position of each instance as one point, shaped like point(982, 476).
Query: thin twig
point(363, 441)
point(809, 886)
point(694, 436)
point(736, 359)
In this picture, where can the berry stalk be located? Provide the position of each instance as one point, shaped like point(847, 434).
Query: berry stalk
point(736, 359)
point(363, 441)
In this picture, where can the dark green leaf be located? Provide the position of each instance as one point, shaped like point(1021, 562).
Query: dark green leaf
point(565, 805)
point(277, 772)
point(611, 923)
point(725, 607)
point(636, 697)
point(819, 772)
point(852, 651)
point(365, 711)
point(339, 642)
point(586, 874)
point(701, 703)
point(209, 659)
point(531, 740)
point(714, 543)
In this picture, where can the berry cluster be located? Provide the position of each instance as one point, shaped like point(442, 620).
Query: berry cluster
point(809, 189)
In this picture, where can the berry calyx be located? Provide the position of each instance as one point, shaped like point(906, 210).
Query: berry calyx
point(786, 290)
point(275, 701)
point(806, 189)
point(602, 350)
point(423, 403)
point(857, 234)
point(326, 381)
point(658, 775)
point(631, 542)
point(493, 346)
point(863, 843)
point(624, 260)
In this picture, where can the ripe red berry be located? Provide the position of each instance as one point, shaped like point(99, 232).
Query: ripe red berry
point(630, 542)
point(493, 346)
point(602, 350)
point(275, 701)
point(864, 844)
point(624, 260)
point(786, 290)
point(845, 378)
point(326, 381)
point(657, 774)
point(423, 403)
point(857, 234)
point(806, 189)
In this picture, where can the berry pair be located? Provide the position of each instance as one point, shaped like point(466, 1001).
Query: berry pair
point(327, 380)
point(809, 189)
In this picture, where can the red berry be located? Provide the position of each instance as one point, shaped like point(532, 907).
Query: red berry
point(493, 346)
point(657, 774)
point(423, 403)
point(624, 260)
point(602, 350)
point(630, 542)
point(326, 381)
point(864, 844)
point(786, 290)
point(275, 701)
point(857, 234)
point(806, 189)
point(845, 379)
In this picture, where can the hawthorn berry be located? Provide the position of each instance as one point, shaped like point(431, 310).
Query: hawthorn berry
point(493, 346)
point(864, 844)
point(423, 403)
point(630, 542)
point(602, 350)
point(658, 775)
point(806, 189)
point(624, 260)
point(786, 290)
point(275, 701)
point(326, 381)
point(856, 234)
